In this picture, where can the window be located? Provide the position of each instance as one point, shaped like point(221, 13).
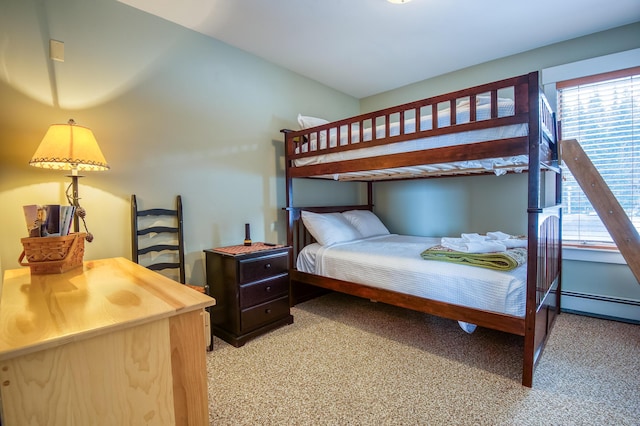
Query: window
point(603, 114)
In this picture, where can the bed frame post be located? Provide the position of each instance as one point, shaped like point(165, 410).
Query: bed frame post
point(533, 211)
point(288, 193)
point(544, 241)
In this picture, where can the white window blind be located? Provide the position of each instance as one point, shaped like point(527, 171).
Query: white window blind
point(604, 117)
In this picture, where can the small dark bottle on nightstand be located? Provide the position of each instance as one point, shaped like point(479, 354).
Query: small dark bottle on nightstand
point(247, 235)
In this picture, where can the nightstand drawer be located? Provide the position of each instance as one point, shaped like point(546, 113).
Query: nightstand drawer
point(262, 267)
point(262, 291)
point(263, 314)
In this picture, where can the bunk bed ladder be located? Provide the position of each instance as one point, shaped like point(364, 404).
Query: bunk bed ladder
point(615, 219)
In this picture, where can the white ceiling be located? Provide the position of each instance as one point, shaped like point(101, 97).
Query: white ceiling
point(364, 47)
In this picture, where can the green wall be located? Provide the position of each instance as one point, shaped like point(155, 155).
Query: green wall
point(174, 112)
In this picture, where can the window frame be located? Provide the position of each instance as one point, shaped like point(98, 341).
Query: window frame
point(596, 246)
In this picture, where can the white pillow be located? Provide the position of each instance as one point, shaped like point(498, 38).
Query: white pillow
point(307, 122)
point(329, 228)
point(366, 222)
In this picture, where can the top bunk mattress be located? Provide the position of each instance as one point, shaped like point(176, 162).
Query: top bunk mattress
point(499, 165)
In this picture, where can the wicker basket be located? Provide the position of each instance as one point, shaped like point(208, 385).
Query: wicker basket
point(53, 255)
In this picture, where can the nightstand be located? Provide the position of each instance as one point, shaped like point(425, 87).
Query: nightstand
point(251, 288)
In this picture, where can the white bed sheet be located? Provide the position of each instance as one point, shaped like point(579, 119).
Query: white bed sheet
point(497, 165)
point(393, 262)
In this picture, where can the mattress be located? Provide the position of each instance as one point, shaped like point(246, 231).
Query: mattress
point(393, 262)
point(497, 165)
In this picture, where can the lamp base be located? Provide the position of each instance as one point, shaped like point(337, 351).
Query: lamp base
point(74, 198)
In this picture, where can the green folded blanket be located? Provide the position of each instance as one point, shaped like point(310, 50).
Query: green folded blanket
point(501, 261)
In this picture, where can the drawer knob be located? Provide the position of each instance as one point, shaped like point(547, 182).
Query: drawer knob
point(267, 266)
point(268, 289)
point(267, 311)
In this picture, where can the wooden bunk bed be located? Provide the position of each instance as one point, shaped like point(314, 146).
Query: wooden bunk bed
point(339, 150)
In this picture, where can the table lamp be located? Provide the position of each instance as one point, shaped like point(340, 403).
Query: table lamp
point(70, 147)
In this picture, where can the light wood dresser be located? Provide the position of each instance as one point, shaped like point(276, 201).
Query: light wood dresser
point(111, 343)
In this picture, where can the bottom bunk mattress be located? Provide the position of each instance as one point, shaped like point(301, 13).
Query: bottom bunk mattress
point(394, 262)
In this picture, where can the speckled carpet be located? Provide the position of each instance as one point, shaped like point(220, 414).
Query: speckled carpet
point(347, 361)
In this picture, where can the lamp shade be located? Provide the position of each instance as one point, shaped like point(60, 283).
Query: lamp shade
point(69, 147)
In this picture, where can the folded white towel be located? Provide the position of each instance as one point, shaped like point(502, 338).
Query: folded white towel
point(508, 240)
point(495, 241)
point(497, 235)
point(473, 237)
point(462, 245)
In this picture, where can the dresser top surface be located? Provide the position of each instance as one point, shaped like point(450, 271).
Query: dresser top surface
point(41, 311)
